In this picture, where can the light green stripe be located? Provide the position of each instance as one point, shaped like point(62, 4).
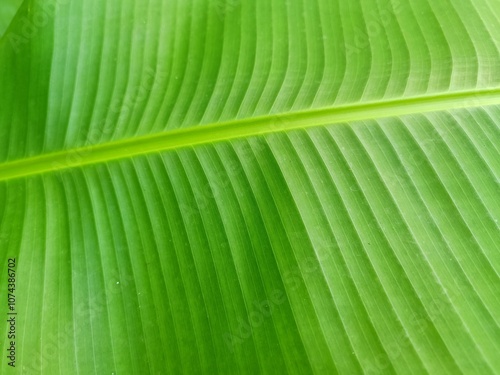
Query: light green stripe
point(212, 133)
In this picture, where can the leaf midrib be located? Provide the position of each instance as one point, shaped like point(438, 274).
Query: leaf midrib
point(243, 128)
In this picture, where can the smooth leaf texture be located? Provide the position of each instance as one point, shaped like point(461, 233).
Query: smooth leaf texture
point(8, 9)
point(252, 186)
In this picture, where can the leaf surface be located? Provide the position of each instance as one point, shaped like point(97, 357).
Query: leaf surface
point(252, 186)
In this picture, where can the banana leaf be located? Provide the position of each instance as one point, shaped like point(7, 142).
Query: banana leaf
point(250, 186)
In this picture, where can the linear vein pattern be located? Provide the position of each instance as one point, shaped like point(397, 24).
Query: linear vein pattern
point(366, 247)
point(87, 72)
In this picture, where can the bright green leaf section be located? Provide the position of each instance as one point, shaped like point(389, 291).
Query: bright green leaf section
point(228, 187)
point(193, 136)
point(8, 9)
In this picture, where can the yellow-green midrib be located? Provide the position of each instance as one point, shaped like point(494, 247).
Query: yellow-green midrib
point(212, 133)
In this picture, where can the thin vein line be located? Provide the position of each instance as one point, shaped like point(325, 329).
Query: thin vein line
point(449, 246)
point(197, 263)
point(312, 342)
point(161, 171)
point(389, 263)
point(264, 237)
